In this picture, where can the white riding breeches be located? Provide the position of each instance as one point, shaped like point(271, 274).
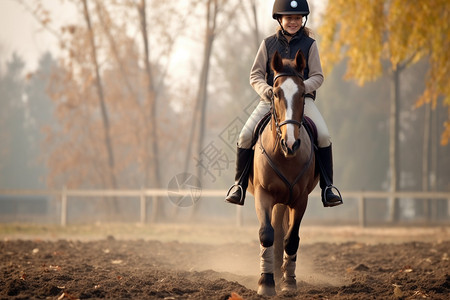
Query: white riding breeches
point(246, 135)
point(311, 111)
point(323, 135)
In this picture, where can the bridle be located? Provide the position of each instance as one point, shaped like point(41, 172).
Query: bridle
point(274, 112)
point(271, 162)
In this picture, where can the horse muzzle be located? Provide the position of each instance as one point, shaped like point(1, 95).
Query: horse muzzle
point(290, 150)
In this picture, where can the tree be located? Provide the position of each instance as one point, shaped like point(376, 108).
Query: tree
point(108, 88)
point(14, 136)
point(40, 114)
point(103, 108)
point(214, 9)
point(249, 11)
point(367, 33)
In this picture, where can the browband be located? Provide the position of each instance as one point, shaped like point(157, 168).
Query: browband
point(287, 74)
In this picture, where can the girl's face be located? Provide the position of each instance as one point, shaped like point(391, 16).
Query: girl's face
point(292, 23)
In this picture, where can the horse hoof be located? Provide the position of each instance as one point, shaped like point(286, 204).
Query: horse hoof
point(266, 285)
point(289, 289)
point(266, 290)
point(289, 284)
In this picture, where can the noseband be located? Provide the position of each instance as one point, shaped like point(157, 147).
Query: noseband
point(274, 113)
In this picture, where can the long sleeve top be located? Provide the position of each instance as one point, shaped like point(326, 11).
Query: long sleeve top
point(259, 71)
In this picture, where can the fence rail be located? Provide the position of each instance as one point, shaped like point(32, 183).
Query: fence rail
point(142, 194)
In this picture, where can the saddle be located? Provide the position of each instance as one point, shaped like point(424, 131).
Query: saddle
point(308, 123)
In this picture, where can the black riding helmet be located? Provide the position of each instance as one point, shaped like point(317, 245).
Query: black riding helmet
point(290, 7)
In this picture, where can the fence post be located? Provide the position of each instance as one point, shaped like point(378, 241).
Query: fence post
point(239, 216)
point(143, 206)
point(362, 211)
point(64, 206)
point(154, 210)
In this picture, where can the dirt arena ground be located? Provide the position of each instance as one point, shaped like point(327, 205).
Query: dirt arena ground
point(216, 262)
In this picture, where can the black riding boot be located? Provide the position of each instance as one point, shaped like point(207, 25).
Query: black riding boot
point(329, 199)
point(244, 161)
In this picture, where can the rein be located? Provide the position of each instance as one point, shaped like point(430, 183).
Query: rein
point(278, 171)
point(278, 129)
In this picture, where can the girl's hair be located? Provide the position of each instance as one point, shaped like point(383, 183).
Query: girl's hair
point(308, 32)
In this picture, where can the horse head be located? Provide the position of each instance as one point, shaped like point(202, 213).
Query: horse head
point(288, 101)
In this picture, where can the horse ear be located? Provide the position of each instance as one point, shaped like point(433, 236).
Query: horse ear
point(277, 62)
point(300, 61)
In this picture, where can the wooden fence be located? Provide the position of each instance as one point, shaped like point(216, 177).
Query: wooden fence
point(361, 196)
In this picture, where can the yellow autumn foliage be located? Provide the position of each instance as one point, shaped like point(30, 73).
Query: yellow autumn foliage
point(400, 31)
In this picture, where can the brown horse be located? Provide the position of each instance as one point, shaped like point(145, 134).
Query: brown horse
point(283, 176)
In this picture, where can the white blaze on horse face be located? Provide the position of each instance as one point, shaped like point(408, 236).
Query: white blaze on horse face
point(289, 88)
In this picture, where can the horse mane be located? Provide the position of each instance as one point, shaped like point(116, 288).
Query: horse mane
point(289, 67)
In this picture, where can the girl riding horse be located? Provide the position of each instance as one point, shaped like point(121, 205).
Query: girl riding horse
point(291, 37)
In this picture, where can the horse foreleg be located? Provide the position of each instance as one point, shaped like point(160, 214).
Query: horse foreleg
point(289, 283)
point(280, 226)
point(266, 283)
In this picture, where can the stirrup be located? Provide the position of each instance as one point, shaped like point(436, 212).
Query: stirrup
point(324, 199)
point(241, 200)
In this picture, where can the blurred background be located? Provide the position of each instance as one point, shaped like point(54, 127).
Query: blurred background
point(142, 95)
